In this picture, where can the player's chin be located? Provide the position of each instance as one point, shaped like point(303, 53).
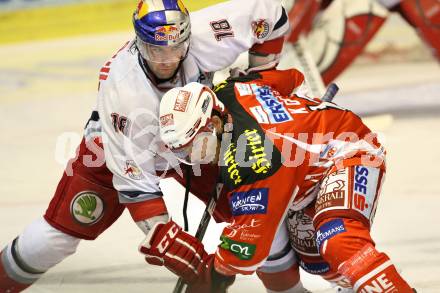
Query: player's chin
point(165, 74)
point(165, 71)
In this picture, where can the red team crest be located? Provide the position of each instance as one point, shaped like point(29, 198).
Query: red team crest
point(260, 28)
point(132, 170)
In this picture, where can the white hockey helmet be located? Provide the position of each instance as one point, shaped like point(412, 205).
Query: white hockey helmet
point(185, 112)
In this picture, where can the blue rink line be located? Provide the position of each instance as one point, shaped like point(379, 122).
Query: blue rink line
point(83, 70)
point(402, 101)
point(15, 80)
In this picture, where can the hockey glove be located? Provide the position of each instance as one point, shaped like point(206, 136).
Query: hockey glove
point(168, 245)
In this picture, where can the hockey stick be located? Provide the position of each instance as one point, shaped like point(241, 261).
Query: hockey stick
point(311, 72)
point(330, 93)
point(201, 230)
point(308, 66)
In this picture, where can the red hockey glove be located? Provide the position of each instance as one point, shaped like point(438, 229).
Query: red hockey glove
point(168, 245)
point(175, 249)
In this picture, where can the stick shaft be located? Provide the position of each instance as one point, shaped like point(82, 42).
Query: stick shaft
point(330, 92)
point(309, 68)
point(201, 230)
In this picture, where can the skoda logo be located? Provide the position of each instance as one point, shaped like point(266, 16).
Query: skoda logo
point(87, 207)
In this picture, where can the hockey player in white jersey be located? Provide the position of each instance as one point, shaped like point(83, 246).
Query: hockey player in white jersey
point(118, 159)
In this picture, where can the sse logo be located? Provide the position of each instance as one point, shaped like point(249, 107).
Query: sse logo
point(253, 201)
point(365, 186)
point(360, 188)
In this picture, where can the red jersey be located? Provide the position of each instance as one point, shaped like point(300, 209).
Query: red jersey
point(282, 145)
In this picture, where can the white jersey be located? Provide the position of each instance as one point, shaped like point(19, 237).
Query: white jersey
point(126, 116)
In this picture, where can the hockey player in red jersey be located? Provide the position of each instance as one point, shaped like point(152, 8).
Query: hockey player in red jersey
point(116, 163)
point(280, 155)
point(339, 30)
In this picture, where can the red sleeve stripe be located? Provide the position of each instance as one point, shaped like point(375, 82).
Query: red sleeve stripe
point(105, 69)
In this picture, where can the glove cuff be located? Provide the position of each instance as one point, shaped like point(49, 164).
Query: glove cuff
point(146, 243)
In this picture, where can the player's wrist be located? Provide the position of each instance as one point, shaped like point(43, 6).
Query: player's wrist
point(220, 282)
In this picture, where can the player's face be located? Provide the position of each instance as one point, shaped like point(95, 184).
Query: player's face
point(163, 60)
point(163, 70)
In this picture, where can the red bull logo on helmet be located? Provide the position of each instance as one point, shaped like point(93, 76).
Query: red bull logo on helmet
point(167, 33)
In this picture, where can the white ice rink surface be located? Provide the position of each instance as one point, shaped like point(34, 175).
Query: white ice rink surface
point(48, 88)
